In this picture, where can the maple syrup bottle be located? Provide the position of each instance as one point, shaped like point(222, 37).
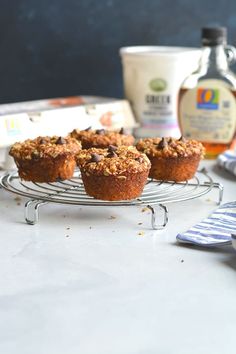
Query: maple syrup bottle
point(207, 98)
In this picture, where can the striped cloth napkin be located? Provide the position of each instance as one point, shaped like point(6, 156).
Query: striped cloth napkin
point(214, 230)
point(227, 160)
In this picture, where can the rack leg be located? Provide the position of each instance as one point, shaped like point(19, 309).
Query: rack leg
point(155, 225)
point(32, 211)
point(221, 191)
point(220, 187)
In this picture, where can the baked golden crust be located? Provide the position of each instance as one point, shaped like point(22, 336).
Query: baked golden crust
point(46, 169)
point(114, 188)
point(102, 138)
point(45, 159)
point(174, 169)
point(172, 159)
point(116, 173)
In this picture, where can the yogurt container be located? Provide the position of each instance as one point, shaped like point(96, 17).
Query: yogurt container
point(152, 77)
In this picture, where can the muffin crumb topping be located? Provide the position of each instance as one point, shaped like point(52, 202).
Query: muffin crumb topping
point(44, 147)
point(102, 138)
point(170, 147)
point(123, 160)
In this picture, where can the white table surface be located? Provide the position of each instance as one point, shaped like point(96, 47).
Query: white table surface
point(83, 282)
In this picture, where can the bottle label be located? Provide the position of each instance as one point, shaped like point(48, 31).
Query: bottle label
point(208, 112)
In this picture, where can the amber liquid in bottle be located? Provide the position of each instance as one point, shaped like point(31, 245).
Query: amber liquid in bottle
point(212, 149)
point(207, 97)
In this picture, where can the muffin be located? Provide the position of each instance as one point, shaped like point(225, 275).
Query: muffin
point(102, 138)
point(115, 173)
point(172, 159)
point(45, 159)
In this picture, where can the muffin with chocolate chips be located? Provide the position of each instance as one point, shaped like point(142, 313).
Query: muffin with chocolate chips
point(172, 159)
point(45, 159)
point(102, 138)
point(115, 173)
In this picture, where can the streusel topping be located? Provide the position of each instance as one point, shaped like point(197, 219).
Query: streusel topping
point(44, 147)
point(170, 147)
point(102, 137)
point(113, 160)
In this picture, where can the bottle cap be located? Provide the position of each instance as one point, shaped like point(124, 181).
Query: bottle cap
point(213, 36)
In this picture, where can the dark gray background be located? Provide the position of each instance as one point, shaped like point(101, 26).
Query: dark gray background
point(60, 48)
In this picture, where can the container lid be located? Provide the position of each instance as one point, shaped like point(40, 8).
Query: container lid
point(153, 51)
point(212, 36)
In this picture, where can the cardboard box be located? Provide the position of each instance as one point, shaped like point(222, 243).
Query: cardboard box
point(20, 121)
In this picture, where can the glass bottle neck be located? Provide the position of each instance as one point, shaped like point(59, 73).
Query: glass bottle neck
point(214, 58)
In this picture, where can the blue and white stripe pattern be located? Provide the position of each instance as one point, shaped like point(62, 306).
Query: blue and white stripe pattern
point(227, 160)
point(214, 230)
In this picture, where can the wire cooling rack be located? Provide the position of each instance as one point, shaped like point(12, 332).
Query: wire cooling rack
point(155, 194)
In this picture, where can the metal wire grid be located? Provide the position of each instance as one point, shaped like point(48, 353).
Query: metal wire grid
point(72, 192)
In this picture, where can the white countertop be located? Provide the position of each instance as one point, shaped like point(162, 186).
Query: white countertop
point(84, 280)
